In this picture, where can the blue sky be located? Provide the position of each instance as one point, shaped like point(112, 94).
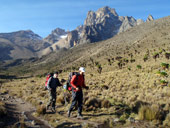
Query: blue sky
point(43, 16)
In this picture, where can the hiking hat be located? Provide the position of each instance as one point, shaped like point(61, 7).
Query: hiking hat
point(82, 69)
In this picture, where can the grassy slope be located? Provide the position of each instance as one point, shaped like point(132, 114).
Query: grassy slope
point(128, 85)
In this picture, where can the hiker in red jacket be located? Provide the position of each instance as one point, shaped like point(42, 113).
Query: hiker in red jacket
point(77, 83)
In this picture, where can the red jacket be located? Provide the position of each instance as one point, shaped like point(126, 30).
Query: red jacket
point(78, 82)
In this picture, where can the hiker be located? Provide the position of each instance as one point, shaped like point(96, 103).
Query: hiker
point(52, 84)
point(77, 83)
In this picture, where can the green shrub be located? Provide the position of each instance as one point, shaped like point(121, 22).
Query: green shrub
point(146, 57)
point(162, 73)
point(139, 66)
point(164, 82)
point(129, 68)
point(164, 65)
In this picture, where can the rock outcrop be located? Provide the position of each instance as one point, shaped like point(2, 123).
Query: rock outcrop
point(104, 24)
point(150, 18)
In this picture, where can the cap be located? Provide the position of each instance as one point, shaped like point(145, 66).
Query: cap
point(82, 69)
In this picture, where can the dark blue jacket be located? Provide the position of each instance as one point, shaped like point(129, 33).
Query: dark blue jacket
point(53, 83)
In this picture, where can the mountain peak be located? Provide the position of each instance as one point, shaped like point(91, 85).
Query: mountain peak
point(107, 10)
point(100, 15)
point(150, 18)
point(59, 31)
point(56, 35)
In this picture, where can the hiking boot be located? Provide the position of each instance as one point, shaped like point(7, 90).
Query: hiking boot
point(80, 116)
point(68, 113)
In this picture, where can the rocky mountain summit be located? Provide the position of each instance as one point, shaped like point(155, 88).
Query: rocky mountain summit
point(150, 18)
point(104, 24)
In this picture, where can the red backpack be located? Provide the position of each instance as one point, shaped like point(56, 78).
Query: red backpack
point(71, 74)
point(47, 78)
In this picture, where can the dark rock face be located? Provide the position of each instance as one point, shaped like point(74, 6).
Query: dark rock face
point(104, 24)
point(72, 38)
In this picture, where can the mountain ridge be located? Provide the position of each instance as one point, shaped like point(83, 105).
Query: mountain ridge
point(100, 25)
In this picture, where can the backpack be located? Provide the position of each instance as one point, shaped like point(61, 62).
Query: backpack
point(68, 85)
point(47, 78)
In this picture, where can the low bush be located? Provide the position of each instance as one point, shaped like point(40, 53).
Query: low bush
point(105, 104)
point(162, 73)
point(41, 110)
point(149, 113)
point(139, 66)
point(164, 82)
point(165, 66)
point(93, 102)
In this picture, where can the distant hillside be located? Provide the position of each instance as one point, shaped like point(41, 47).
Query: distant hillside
point(20, 44)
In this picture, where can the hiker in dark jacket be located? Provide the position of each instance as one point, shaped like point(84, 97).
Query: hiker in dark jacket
point(52, 84)
point(77, 83)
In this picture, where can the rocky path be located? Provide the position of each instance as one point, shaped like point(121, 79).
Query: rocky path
point(20, 111)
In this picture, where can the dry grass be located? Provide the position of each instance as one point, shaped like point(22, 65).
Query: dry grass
point(41, 110)
point(166, 123)
point(149, 113)
point(3, 110)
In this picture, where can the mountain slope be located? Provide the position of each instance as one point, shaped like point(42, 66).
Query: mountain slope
point(20, 44)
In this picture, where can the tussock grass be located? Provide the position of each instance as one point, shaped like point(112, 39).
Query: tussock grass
point(149, 113)
point(166, 122)
point(105, 104)
point(3, 110)
point(41, 110)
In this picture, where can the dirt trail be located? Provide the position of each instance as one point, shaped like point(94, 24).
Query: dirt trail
point(17, 110)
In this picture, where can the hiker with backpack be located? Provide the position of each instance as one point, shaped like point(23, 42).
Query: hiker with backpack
point(77, 83)
point(52, 84)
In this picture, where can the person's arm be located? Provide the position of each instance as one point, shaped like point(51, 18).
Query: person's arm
point(84, 85)
point(58, 83)
point(73, 80)
point(48, 84)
